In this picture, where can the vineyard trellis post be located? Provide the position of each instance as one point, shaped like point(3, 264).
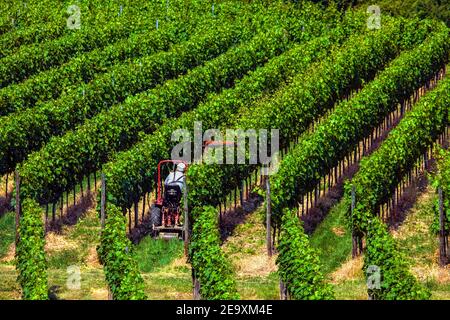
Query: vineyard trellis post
point(196, 288)
point(103, 202)
point(6, 187)
point(17, 206)
point(354, 236)
point(186, 221)
point(283, 291)
point(442, 234)
point(268, 218)
point(103, 217)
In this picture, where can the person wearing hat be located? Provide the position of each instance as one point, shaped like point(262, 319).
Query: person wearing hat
point(177, 177)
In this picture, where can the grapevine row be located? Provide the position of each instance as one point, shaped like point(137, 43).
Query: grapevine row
point(50, 84)
point(307, 98)
point(26, 131)
point(114, 251)
point(207, 185)
point(35, 12)
point(129, 174)
point(380, 173)
point(30, 255)
point(298, 263)
point(351, 121)
point(32, 59)
point(82, 151)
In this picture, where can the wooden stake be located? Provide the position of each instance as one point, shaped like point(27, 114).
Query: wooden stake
point(354, 237)
point(67, 201)
point(186, 221)
point(103, 202)
point(442, 235)
point(143, 205)
point(136, 213)
point(6, 186)
point(17, 206)
point(283, 291)
point(268, 218)
point(196, 288)
point(53, 211)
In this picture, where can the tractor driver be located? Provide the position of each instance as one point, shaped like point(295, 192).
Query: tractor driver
point(177, 177)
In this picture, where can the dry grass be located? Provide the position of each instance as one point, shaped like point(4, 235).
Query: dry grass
point(259, 265)
point(9, 288)
point(58, 242)
point(350, 270)
point(9, 257)
point(92, 260)
point(99, 293)
point(339, 231)
point(247, 251)
point(416, 221)
point(439, 274)
point(421, 246)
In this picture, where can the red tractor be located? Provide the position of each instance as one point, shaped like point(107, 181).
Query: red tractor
point(168, 211)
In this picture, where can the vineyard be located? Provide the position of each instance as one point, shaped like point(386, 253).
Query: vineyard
point(336, 184)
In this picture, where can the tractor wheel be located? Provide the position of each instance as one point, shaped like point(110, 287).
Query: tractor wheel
point(155, 218)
